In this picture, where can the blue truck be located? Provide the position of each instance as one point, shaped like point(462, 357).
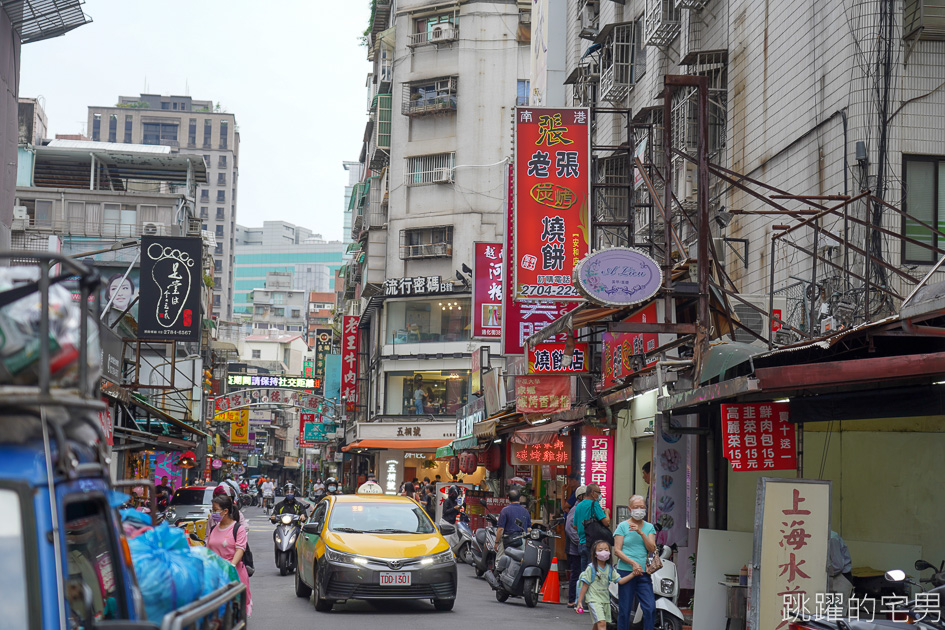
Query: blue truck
point(66, 563)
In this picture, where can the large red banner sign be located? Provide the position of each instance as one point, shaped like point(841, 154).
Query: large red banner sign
point(523, 319)
point(542, 394)
point(488, 285)
point(759, 436)
point(349, 360)
point(619, 349)
point(552, 200)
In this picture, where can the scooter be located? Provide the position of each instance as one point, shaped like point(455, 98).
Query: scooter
point(667, 615)
point(924, 616)
point(287, 530)
point(521, 571)
point(483, 546)
point(462, 540)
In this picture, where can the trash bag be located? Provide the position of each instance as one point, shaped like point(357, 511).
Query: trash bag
point(217, 572)
point(169, 575)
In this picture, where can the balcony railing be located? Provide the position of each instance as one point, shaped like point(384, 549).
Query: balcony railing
point(439, 34)
point(420, 106)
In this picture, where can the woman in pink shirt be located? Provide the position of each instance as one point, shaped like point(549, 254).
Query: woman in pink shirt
point(229, 547)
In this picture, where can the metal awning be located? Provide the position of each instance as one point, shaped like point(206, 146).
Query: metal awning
point(465, 443)
point(486, 428)
point(581, 316)
point(163, 415)
point(542, 434)
point(373, 304)
point(36, 20)
point(133, 439)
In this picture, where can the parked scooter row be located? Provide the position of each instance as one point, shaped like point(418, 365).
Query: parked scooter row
point(929, 614)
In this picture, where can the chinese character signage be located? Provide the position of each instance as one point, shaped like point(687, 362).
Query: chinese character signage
point(523, 319)
point(236, 415)
point(108, 423)
point(792, 527)
point(264, 397)
point(552, 200)
point(619, 349)
point(286, 382)
point(759, 436)
point(542, 394)
point(673, 465)
point(349, 360)
point(313, 430)
point(488, 285)
point(172, 280)
point(554, 453)
point(547, 358)
point(599, 465)
point(322, 350)
point(468, 416)
point(308, 368)
point(239, 431)
point(420, 285)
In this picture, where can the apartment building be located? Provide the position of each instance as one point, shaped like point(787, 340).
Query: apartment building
point(445, 81)
point(279, 246)
point(354, 176)
point(818, 100)
point(195, 128)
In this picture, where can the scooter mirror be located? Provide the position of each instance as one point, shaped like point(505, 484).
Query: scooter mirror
point(895, 575)
point(922, 565)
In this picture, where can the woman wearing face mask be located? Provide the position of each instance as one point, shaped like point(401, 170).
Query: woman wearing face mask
point(228, 539)
point(633, 540)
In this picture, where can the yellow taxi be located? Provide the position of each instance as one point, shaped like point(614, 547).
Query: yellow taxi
point(372, 546)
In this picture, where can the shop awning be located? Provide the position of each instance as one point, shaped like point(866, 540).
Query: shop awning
point(134, 440)
point(398, 444)
point(542, 434)
point(444, 452)
point(465, 443)
point(486, 428)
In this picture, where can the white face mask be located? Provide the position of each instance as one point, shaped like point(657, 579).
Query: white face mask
point(638, 514)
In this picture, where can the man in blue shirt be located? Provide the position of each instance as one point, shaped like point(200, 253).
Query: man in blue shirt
point(585, 510)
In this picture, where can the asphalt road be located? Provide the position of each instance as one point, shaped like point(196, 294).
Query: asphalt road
point(276, 606)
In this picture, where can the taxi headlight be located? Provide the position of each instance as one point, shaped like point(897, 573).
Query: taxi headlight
point(286, 519)
point(441, 558)
point(344, 558)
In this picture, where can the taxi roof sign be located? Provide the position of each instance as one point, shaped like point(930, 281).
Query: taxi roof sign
point(370, 487)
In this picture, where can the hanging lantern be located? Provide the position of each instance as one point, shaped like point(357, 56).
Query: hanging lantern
point(491, 458)
point(453, 467)
point(468, 463)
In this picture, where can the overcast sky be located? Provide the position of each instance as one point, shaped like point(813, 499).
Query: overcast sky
point(292, 71)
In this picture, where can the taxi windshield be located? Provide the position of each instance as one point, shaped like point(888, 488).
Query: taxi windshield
point(380, 518)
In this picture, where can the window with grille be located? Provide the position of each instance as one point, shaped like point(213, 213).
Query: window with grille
point(128, 125)
point(429, 97)
point(192, 133)
point(433, 29)
point(96, 127)
point(224, 134)
point(113, 128)
point(432, 242)
point(207, 133)
point(221, 196)
point(430, 169)
point(521, 93)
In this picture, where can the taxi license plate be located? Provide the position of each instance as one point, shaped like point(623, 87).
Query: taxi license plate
point(395, 579)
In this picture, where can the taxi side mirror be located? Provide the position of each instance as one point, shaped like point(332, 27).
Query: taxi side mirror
point(447, 530)
point(314, 528)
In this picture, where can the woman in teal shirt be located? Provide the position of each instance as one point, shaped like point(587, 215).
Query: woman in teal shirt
point(633, 540)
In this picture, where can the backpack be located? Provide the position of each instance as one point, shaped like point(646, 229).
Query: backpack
point(247, 553)
point(595, 530)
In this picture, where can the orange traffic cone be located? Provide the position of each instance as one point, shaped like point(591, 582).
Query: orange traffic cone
point(551, 591)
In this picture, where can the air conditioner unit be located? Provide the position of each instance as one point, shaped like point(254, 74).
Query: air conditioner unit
point(21, 219)
point(193, 227)
point(442, 33)
point(20, 212)
point(149, 228)
point(443, 175)
point(759, 323)
point(441, 249)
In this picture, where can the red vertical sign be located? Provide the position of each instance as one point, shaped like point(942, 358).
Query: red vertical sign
point(206, 469)
point(620, 348)
point(759, 436)
point(488, 276)
point(552, 200)
point(599, 465)
point(349, 360)
point(523, 319)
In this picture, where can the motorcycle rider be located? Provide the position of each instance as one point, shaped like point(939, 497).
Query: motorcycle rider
point(452, 505)
point(289, 505)
point(331, 486)
point(268, 492)
point(508, 531)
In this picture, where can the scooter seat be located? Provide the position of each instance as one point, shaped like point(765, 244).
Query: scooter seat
point(515, 552)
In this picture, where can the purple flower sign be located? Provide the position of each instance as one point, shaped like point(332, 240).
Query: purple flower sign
point(618, 276)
